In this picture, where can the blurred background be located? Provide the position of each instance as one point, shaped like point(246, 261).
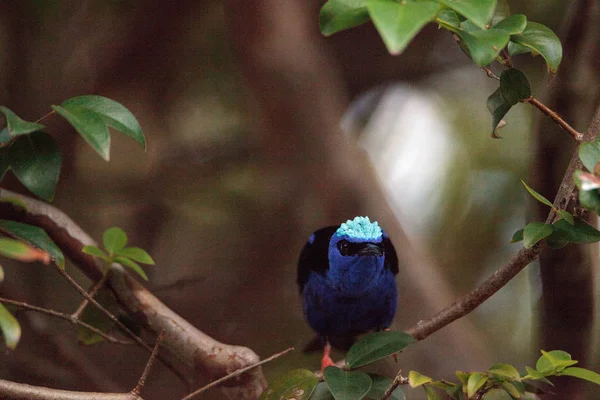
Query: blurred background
point(261, 131)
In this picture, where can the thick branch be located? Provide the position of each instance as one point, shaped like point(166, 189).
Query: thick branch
point(20, 391)
point(502, 276)
point(209, 358)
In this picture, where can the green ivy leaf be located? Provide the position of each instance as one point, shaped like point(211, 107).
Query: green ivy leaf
point(476, 382)
point(553, 361)
point(133, 265)
point(567, 216)
point(582, 373)
point(93, 316)
point(18, 250)
point(35, 160)
point(96, 252)
point(321, 392)
point(517, 236)
point(478, 11)
point(11, 330)
point(505, 370)
point(92, 115)
point(416, 379)
point(114, 239)
point(514, 86)
point(397, 23)
point(589, 154)
point(511, 389)
point(380, 386)
point(35, 236)
point(538, 38)
point(579, 232)
point(484, 45)
point(513, 24)
point(16, 125)
point(498, 107)
point(502, 11)
point(534, 232)
point(557, 240)
point(338, 15)
point(431, 393)
point(136, 254)
point(347, 385)
point(375, 346)
point(537, 196)
point(447, 18)
point(497, 394)
point(297, 383)
point(463, 377)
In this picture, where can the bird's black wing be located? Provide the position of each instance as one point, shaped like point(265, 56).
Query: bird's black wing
point(391, 259)
point(314, 256)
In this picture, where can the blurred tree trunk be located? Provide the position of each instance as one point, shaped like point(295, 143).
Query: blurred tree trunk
point(567, 299)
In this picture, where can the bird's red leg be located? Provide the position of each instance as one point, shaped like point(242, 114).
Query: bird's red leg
point(326, 361)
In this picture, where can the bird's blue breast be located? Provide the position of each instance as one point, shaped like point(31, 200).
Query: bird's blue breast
point(331, 311)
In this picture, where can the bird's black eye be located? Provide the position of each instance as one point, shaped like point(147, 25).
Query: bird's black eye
point(344, 247)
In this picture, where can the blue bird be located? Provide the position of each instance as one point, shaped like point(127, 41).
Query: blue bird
point(346, 276)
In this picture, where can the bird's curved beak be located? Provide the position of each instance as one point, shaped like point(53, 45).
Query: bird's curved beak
point(370, 249)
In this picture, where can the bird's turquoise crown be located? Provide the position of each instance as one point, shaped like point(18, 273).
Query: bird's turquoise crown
point(360, 228)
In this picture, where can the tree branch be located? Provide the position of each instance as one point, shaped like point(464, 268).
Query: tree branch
point(66, 317)
point(524, 257)
point(207, 357)
point(20, 391)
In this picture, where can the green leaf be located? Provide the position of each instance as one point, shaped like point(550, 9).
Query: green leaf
point(131, 264)
point(416, 379)
point(397, 23)
point(4, 161)
point(536, 375)
point(505, 370)
point(537, 196)
point(321, 392)
point(11, 330)
point(534, 232)
point(517, 236)
point(586, 181)
point(463, 377)
point(1, 274)
point(582, 373)
point(484, 45)
point(18, 250)
point(92, 115)
point(514, 86)
point(347, 385)
point(136, 254)
point(380, 386)
point(338, 15)
point(502, 11)
point(93, 316)
point(97, 252)
point(557, 240)
point(554, 361)
point(476, 382)
point(498, 107)
point(540, 39)
point(431, 393)
point(375, 346)
point(497, 394)
point(5, 137)
point(589, 154)
point(16, 125)
point(479, 12)
point(511, 389)
point(35, 160)
point(114, 239)
point(580, 232)
point(590, 200)
point(35, 236)
point(513, 24)
point(113, 113)
point(567, 216)
point(447, 18)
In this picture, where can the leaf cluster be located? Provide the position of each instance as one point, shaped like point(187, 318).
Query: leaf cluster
point(484, 30)
point(34, 157)
point(503, 381)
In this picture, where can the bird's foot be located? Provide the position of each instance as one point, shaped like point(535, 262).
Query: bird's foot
point(326, 361)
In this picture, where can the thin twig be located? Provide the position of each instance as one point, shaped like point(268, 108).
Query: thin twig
point(93, 291)
point(142, 381)
point(66, 317)
point(19, 391)
point(398, 380)
point(578, 136)
point(236, 373)
point(506, 58)
point(490, 73)
point(45, 116)
point(113, 318)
